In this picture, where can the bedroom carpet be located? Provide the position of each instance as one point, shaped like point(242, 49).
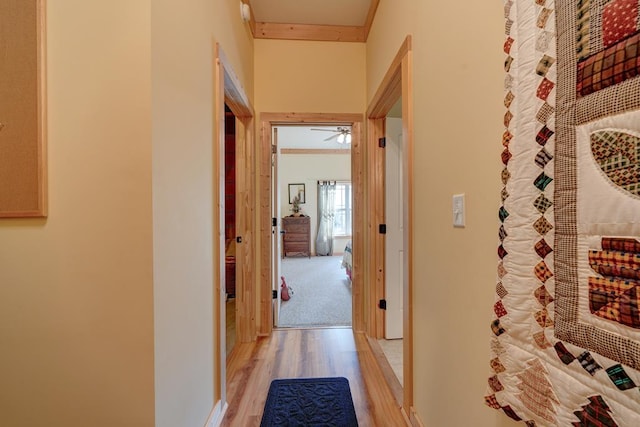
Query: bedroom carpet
point(321, 293)
point(309, 402)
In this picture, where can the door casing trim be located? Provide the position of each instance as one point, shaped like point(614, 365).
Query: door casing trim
point(396, 84)
point(267, 122)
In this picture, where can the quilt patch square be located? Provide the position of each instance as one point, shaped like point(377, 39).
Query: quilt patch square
point(564, 354)
point(542, 272)
point(617, 153)
point(609, 67)
point(544, 65)
point(543, 249)
point(543, 296)
point(544, 89)
point(620, 378)
point(588, 363)
point(543, 135)
point(615, 295)
point(619, 20)
point(595, 414)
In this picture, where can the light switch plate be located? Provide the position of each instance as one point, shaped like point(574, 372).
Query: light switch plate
point(458, 210)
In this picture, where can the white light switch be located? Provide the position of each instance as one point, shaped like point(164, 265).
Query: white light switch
point(458, 210)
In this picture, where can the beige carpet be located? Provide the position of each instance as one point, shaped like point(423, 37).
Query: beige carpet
point(321, 292)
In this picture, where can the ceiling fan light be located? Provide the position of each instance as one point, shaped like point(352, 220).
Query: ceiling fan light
point(348, 138)
point(341, 138)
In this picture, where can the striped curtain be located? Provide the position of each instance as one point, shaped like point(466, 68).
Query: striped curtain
point(324, 237)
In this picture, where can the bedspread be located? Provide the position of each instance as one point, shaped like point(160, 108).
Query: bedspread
point(565, 332)
point(347, 262)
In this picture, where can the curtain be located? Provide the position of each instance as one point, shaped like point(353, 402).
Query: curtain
point(324, 237)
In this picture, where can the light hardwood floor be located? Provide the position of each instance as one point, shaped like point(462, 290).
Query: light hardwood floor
point(299, 353)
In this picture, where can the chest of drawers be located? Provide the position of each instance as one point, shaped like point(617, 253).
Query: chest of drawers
point(296, 238)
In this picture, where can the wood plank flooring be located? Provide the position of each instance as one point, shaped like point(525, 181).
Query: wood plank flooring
point(299, 353)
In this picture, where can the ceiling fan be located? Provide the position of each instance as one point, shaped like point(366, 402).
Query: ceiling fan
point(342, 134)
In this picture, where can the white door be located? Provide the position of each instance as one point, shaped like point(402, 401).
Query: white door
point(276, 236)
point(394, 253)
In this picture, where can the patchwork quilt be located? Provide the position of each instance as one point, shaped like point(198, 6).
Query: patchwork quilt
point(565, 333)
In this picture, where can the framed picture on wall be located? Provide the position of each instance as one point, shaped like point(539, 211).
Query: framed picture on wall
point(296, 190)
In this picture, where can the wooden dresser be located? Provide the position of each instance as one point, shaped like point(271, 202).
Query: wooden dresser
point(296, 238)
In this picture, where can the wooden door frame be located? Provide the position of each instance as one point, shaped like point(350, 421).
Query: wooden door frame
point(396, 84)
point(228, 90)
point(267, 122)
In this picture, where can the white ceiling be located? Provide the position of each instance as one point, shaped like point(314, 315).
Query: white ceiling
point(303, 137)
point(316, 12)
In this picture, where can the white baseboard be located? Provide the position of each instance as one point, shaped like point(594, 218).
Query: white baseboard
point(216, 415)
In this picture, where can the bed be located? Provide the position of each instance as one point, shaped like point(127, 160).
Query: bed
point(347, 262)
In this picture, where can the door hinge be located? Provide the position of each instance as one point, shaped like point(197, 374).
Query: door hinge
point(274, 294)
point(274, 149)
point(383, 304)
point(382, 142)
point(274, 222)
point(382, 228)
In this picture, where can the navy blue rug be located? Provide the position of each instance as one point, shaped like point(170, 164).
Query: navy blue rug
point(309, 402)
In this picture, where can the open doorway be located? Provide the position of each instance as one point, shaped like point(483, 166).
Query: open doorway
point(314, 212)
point(230, 97)
point(396, 87)
point(271, 213)
point(230, 226)
point(392, 340)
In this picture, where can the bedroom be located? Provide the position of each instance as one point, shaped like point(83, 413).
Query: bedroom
point(306, 158)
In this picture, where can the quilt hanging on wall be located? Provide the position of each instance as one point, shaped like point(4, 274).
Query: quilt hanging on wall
point(565, 339)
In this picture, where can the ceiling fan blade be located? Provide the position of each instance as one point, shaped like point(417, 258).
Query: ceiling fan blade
point(331, 137)
point(325, 130)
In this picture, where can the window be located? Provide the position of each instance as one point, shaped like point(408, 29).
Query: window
point(342, 209)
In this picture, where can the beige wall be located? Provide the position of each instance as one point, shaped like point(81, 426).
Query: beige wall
point(183, 58)
point(130, 116)
point(308, 169)
point(76, 297)
point(309, 77)
point(457, 111)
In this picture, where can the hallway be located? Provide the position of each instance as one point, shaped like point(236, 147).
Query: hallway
point(300, 353)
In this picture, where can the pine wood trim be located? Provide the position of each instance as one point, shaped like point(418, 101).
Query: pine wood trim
point(234, 95)
point(414, 419)
point(267, 121)
point(265, 326)
point(228, 89)
point(377, 241)
point(397, 83)
point(43, 173)
point(313, 151)
point(339, 33)
point(219, 365)
point(390, 88)
point(39, 194)
point(373, 8)
point(312, 118)
point(407, 132)
point(334, 33)
point(358, 185)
